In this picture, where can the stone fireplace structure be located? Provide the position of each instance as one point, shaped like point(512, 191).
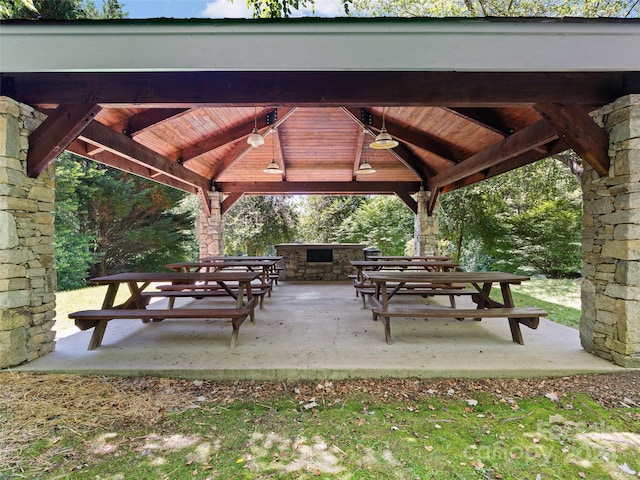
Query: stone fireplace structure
point(319, 261)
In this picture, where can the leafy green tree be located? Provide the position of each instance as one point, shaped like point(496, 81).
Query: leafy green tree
point(382, 221)
point(322, 216)
point(108, 221)
point(476, 220)
point(496, 8)
point(60, 9)
point(256, 223)
point(75, 240)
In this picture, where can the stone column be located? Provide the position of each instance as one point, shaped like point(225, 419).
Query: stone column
point(210, 228)
point(425, 228)
point(610, 323)
point(27, 270)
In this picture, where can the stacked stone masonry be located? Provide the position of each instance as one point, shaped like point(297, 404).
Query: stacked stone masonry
point(610, 323)
point(210, 229)
point(426, 228)
point(296, 266)
point(27, 269)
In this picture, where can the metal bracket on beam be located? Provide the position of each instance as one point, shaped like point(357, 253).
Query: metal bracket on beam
point(365, 117)
point(272, 117)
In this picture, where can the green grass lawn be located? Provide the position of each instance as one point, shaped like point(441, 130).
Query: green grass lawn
point(330, 432)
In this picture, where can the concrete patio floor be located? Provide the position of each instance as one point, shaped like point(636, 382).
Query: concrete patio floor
point(318, 331)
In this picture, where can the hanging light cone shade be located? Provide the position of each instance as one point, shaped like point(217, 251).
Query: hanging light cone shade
point(383, 141)
point(272, 167)
point(365, 169)
point(255, 139)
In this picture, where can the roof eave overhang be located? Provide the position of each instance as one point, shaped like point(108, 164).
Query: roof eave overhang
point(460, 45)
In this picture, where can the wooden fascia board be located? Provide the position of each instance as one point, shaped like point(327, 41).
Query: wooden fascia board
point(123, 146)
point(520, 142)
point(311, 188)
point(580, 132)
point(55, 134)
point(314, 88)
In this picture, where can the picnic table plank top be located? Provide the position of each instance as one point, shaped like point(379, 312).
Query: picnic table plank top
point(382, 276)
point(219, 276)
point(403, 263)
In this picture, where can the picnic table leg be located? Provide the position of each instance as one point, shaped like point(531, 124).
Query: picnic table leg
point(98, 333)
point(386, 320)
point(514, 324)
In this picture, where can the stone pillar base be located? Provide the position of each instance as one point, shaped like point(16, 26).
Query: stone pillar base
point(27, 270)
point(209, 228)
point(426, 230)
point(610, 322)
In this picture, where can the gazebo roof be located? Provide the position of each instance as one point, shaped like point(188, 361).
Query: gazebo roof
point(174, 101)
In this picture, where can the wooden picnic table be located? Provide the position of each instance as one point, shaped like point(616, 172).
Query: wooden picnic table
point(437, 258)
point(365, 287)
point(135, 306)
point(266, 267)
point(389, 283)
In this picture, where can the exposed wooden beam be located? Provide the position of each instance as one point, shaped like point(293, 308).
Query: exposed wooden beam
point(139, 122)
point(119, 144)
point(229, 201)
point(516, 162)
point(433, 198)
point(358, 154)
point(409, 201)
point(423, 141)
point(55, 134)
point(581, 133)
point(192, 152)
point(520, 142)
point(310, 188)
point(357, 89)
point(242, 148)
point(79, 147)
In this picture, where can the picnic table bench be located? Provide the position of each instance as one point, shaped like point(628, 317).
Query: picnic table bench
point(364, 287)
point(388, 282)
point(135, 307)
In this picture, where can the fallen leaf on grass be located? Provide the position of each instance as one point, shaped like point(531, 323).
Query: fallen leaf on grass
point(552, 396)
point(625, 468)
point(428, 448)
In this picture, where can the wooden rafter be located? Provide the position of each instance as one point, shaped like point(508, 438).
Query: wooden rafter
point(140, 122)
point(55, 134)
point(110, 159)
point(231, 135)
point(520, 142)
point(516, 162)
point(404, 135)
point(581, 133)
point(358, 154)
point(121, 145)
point(242, 148)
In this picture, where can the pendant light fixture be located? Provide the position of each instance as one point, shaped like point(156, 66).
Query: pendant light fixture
point(273, 166)
point(383, 141)
point(365, 168)
point(255, 139)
